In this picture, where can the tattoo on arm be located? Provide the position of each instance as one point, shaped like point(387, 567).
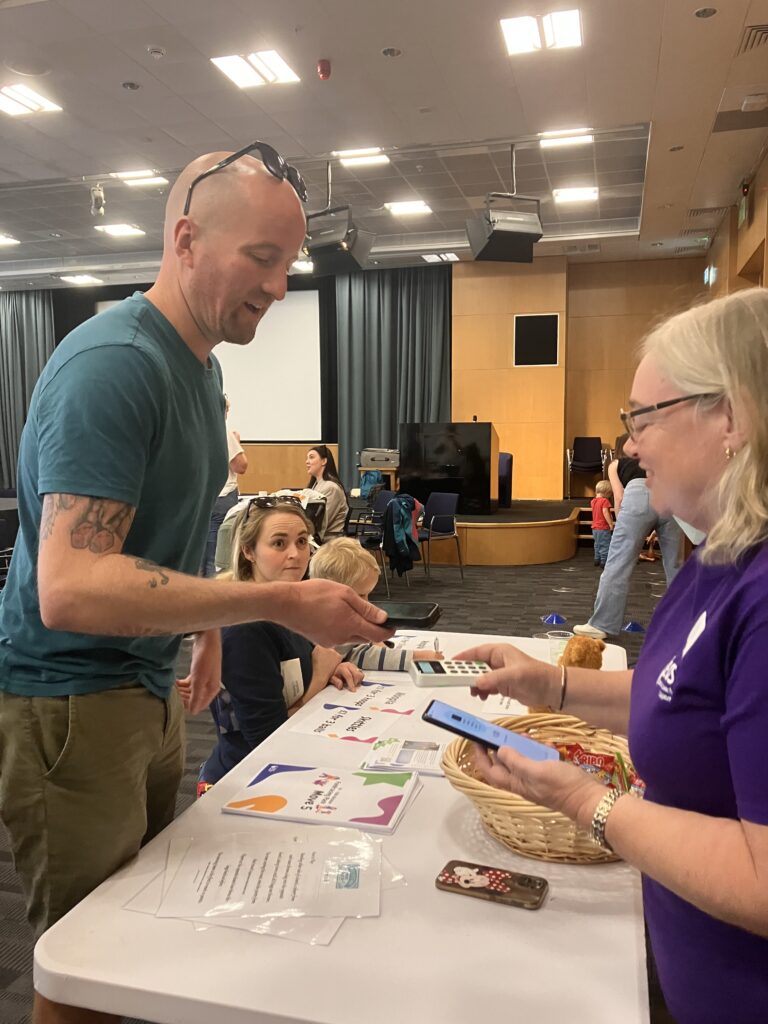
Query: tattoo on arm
point(98, 524)
point(153, 567)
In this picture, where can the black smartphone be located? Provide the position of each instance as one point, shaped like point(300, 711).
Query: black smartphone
point(410, 614)
point(489, 735)
point(495, 884)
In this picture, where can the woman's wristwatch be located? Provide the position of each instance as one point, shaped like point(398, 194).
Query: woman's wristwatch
point(600, 817)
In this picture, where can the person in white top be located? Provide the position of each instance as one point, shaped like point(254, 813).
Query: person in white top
point(324, 478)
point(229, 496)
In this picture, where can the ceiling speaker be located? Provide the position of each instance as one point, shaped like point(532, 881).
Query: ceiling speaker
point(335, 244)
point(505, 236)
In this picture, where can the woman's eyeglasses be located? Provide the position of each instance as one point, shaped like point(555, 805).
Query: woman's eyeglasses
point(274, 163)
point(272, 501)
point(629, 419)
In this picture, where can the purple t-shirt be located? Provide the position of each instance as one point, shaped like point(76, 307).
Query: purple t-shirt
point(698, 735)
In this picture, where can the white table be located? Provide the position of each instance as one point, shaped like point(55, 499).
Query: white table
point(429, 957)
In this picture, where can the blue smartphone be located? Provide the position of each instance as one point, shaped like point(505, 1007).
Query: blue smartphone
point(489, 735)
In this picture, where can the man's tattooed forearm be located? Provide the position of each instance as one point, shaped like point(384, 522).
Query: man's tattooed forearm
point(160, 576)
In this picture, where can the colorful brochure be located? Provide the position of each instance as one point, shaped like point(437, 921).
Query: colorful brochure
point(385, 697)
point(340, 723)
point(370, 801)
point(393, 754)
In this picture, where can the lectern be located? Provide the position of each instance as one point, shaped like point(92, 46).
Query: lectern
point(458, 458)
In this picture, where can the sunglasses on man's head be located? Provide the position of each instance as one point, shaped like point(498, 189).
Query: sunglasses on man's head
point(274, 163)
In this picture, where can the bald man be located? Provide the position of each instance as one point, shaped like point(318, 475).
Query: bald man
point(121, 459)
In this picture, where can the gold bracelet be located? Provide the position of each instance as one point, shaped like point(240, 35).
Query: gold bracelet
point(600, 818)
point(563, 686)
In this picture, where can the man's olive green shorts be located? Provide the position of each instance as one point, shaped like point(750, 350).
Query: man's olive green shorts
point(84, 782)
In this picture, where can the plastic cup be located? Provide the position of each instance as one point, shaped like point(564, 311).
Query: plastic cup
point(558, 638)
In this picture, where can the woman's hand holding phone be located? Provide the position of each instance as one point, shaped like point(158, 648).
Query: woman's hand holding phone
point(555, 784)
point(514, 675)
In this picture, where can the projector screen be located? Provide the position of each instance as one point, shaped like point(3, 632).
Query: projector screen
point(273, 383)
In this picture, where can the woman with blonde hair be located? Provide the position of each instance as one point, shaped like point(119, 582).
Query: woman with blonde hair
point(696, 705)
point(268, 672)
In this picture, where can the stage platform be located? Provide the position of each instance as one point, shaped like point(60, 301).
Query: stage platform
point(528, 533)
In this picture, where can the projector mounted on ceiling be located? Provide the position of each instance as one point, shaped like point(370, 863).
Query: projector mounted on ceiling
point(506, 235)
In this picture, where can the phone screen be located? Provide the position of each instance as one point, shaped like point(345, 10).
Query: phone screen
point(490, 735)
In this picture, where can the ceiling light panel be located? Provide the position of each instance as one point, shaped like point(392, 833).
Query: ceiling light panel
point(555, 31)
point(155, 179)
point(578, 137)
point(20, 99)
point(521, 35)
point(364, 161)
point(410, 208)
point(81, 279)
point(431, 257)
point(119, 230)
point(303, 266)
point(561, 29)
point(8, 240)
point(262, 68)
point(575, 195)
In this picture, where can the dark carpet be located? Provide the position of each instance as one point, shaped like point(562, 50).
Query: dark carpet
point(491, 600)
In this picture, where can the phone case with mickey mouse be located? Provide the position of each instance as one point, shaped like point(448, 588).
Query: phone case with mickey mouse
point(495, 884)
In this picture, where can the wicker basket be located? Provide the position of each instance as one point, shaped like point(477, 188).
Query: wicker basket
point(522, 826)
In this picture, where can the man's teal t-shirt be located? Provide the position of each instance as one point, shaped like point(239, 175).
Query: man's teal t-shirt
point(125, 411)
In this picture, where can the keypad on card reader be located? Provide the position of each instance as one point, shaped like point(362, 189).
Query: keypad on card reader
point(429, 672)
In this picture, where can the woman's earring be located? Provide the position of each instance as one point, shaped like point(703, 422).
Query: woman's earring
point(729, 453)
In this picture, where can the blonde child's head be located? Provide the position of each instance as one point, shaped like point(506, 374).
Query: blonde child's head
point(344, 560)
point(603, 489)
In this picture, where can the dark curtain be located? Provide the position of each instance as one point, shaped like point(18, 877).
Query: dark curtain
point(26, 344)
point(393, 333)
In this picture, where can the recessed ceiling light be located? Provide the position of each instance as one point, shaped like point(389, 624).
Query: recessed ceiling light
point(656, 245)
point(9, 240)
point(676, 149)
point(391, 51)
point(262, 68)
point(20, 99)
point(554, 31)
point(521, 35)
point(705, 12)
point(440, 257)
point(408, 208)
point(303, 266)
point(430, 257)
point(119, 230)
point(575, 195)
point(54, 234)
point(82, 279)
point(562, 29)
point(575, 137)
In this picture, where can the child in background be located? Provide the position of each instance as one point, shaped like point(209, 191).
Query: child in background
point(602, 521)
point(343, 560)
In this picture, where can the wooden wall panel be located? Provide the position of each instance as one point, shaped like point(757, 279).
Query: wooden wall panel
point(611, 306)
point(525, 404)
point(274, 466)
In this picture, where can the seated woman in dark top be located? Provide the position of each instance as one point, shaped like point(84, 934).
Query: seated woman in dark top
point(267, 671)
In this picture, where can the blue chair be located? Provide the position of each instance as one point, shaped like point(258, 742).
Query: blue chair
point(505, 480)
point(440, 524)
